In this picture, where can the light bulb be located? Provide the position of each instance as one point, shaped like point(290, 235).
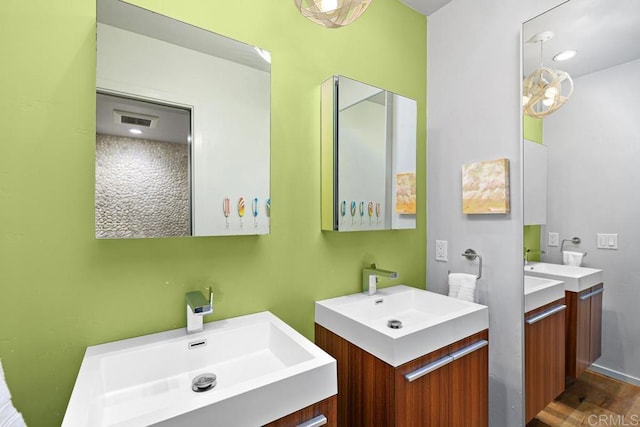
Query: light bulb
point(547, 102)
point(328, 5)
point(563, 56)
point(135, 131)
point(551, 92)
point(525, 99)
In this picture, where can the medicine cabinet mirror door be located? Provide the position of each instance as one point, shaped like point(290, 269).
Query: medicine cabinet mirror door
point(368, 157)
point(155, 76)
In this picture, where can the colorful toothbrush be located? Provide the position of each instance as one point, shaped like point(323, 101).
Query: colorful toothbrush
point(370, 211)
point(378, 212)
point(241, 209)
point(226, 209)
point(254, 210)
point(361, 211)
point(268, 207)
point(353, 211)
point(343, 210)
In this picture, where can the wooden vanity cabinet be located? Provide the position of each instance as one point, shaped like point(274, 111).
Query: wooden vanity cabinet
point(583, 329)
point(313, 415)
point(373, 393)
point(544, 333)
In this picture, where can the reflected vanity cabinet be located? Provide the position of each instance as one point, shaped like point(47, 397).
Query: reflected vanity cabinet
point(544, 355)
point(453, 392)
point(584, 329)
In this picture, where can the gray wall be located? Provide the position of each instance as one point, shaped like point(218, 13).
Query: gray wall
point(594, 187)
point(473, 78)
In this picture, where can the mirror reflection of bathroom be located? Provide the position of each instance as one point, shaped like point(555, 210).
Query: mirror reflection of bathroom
point(371, 145)
point(581, 62)
point(142, 168)
point(226, 85)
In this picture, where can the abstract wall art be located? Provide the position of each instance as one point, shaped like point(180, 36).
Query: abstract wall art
point(485, 187)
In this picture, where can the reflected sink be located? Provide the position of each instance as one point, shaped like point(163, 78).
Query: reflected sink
point(576, 279)
point(429, 321)
point(265, 370)
point(539, 291)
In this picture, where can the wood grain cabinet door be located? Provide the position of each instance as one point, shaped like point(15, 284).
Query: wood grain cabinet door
point(595, 339)
point(448, 388)
point(470, 393)
point(544, 356)
point(583, 332)
point(323, 413)
point(423, 400)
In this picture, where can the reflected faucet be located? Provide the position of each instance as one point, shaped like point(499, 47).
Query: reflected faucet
point(529, 251)
point(197, 307)
point(370, 277)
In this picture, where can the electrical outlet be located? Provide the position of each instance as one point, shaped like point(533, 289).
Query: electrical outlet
point(553, 240)
point(441, 250)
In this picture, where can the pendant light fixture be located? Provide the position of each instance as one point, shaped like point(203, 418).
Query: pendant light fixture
point(545, 90)
point(332, 13)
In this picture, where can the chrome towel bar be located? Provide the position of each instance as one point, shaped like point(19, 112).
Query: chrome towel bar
point(470, 254)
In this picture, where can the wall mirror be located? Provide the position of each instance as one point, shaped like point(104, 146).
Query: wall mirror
point(590, 174)
point(368, 157)
point(182, 129)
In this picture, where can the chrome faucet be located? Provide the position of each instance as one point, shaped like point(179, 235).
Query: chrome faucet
point(529, 251)
point(370, 277)
point(197, 308)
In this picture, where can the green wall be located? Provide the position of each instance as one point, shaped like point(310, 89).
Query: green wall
point(62, 290)
point(532, 130)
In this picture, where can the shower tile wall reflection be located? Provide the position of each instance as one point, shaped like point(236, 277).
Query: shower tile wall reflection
point(144, 184)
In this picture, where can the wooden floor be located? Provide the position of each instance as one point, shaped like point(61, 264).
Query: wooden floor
point(592, 400)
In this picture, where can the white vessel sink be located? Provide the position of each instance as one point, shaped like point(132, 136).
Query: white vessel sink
point(539, 291)
point(264, 370)
point(576, 279)
point(429, 321)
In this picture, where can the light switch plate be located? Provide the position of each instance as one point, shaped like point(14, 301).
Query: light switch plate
point(607, 241)
point(553, 239)
point(441, 250)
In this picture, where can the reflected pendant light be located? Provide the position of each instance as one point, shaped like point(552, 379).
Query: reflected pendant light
point(545, 90)
point(332, 13)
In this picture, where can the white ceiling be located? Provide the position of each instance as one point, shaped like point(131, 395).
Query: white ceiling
point(174, 124)
point(604, 32)
point(426, 7)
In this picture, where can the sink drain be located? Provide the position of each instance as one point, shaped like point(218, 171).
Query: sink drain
point(394, 324)
point(203, 382)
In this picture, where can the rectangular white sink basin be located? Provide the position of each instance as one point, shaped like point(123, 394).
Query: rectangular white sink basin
point(539, 291)
point(576, 279)
point(265, 370)
point(429, 321)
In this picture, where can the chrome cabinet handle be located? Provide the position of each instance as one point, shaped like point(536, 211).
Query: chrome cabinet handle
point(538, 317)
point(437, 364)
point(318, 421)
point(469, 349)
point(430, 367)
point(590, 294)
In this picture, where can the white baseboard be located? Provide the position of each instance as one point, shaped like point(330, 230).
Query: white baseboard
point(614, 374)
